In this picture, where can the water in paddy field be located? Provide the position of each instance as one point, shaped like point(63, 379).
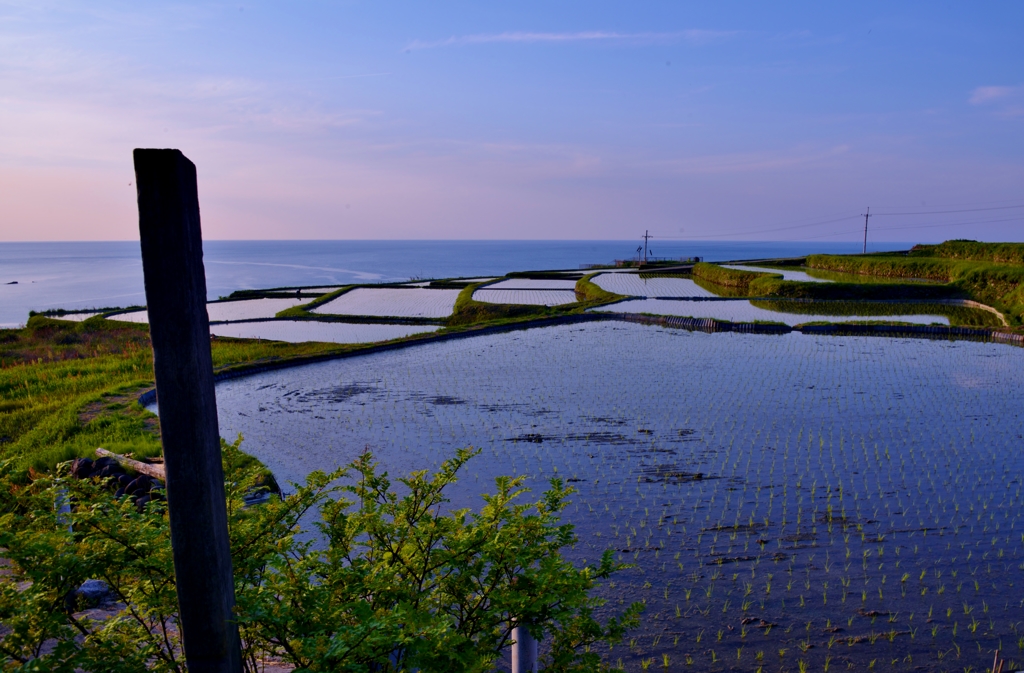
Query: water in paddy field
point(80, 275)
point(842, 501)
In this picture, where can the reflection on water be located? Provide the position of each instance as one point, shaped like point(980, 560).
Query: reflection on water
point(785, 498)
point(787, 274)
point(739, 310)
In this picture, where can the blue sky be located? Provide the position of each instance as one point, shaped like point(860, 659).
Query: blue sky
point(588, 120)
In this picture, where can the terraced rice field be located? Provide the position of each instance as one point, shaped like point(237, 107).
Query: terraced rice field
point(791, 502)
point(413, 302)
point(532, 284)
point(296, 331)
point(786, 274)
point(631, 284)
point(221, 311)
point(741, 310)
point(75, 317)
point(530, 297)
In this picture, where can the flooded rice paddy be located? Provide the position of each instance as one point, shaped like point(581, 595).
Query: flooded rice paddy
point(219, 311)
point(297, 331)
point(790, 502)
point(633, 285)
point(532, 284)
point(787, 274)
point(741, 310)
point(413, 302)
point(526, 297)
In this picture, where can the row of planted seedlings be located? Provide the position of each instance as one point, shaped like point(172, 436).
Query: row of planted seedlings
point(804, 502)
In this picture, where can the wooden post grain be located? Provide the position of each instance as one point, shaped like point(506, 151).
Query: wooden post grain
point(155, 471)
point(172, 265)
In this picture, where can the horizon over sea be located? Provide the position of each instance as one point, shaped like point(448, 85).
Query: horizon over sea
point(101, 274)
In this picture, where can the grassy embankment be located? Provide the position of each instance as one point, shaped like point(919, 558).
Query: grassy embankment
point(1000, 286)
point(989, 273)
point(471, 313)
point(959, 316)
point(68, 388)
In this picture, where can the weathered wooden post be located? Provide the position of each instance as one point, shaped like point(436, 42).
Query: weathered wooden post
point(172, 264)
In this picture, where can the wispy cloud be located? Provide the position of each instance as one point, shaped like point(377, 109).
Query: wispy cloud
point(989, 94)
point(1006, 102)
point(693, 36)
point(754, 161)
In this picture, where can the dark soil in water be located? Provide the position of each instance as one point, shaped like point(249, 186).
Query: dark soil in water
point(828, 503)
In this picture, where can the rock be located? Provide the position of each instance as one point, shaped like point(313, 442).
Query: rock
point(123, 480)
point(93, 593)
point(140, 503)
point(108, 471)
point(138, 485)
point(103, 462)
point(81, 468)
point(119, 493)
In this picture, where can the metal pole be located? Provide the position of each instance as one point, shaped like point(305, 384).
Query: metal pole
point(866, 216)
point(172, 265)
point(524, 651)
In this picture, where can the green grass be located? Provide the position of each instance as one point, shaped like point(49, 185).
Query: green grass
point(886, 266)
point(587, 291)
point(960, 316)
point(973, 251)
point(998, 285)
point(302, 311)
point(839, 277)
point(733, 278)
point(68, 388)
point(471, 313)
point(738, 283)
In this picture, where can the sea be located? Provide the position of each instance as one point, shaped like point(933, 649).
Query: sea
point(106, 274)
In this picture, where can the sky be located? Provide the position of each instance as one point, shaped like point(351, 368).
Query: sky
point(526, 120)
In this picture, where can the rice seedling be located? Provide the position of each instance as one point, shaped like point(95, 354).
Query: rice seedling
point(298, 331)
point(850, 449)
point(636, 285)
point(744, 311)
point(491, 294)
point(391, 302)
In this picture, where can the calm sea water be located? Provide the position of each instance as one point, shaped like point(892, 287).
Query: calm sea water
point(79, 275)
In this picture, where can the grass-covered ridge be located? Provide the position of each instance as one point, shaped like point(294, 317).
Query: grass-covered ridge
point(68, 388)
point(733, 278)
point(958, 316)
point(973, 251)
point(997, 285)
point(739, 283)
point(469, 312)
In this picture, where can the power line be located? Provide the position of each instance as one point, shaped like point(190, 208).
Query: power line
point(955, 224)
point(965, 210)
point(747, 232)
point(762, 231)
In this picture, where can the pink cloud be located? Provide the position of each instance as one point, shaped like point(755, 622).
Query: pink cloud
point(988, 94)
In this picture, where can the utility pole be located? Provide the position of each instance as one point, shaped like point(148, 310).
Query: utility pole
point(172, 266)
point(647, 235)
point(866, 216)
